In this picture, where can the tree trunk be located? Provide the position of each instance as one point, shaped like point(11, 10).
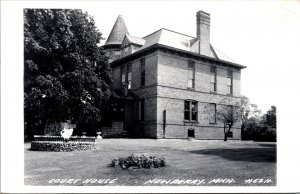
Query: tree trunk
point(225, 137)
point(242, 131)
point(225, 133)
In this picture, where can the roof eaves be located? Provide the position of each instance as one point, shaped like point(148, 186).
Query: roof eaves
point(105, 46)
point(202, 56)
point(157, 45)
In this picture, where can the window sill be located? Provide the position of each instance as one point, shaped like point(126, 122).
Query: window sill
point(213, 123)
point(187, 121)
point(213, 92)
point(193, 89)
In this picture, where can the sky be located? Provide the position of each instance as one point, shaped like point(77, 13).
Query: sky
point(261, 35)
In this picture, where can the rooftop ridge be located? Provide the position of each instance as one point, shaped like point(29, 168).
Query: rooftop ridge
point(169, 31)
point(152, 33)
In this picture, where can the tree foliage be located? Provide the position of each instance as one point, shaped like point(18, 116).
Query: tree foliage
point(249, 112)
point(271, 118)
point(255, 125)
point(66, 74)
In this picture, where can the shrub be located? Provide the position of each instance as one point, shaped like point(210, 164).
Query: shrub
point(138, 161)
point(259, 133)
point(62, 146)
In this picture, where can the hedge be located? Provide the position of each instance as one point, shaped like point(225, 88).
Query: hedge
point(62, 146)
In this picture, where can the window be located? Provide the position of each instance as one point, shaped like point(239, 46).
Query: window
point(123, 75)
point(142, 72)
point(191, 75)
point(213, 111)
point(141, 110)
point(129, 75)
point(126, 75)
point(191, 133)
point(126, 50)
point(229, 81)
point(190, 110)
point(213, 78)
point(117, 53)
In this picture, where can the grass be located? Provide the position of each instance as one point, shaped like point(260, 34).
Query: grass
point(186, 160)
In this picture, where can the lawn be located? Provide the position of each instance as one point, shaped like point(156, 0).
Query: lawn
point(202, 163)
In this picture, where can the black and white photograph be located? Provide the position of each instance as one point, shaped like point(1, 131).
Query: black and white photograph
point(157, 96)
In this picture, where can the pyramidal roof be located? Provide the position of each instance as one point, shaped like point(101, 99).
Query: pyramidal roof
point(175, 40)
point(118, 32)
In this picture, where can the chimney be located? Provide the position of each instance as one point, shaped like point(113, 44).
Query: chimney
point(203, 32)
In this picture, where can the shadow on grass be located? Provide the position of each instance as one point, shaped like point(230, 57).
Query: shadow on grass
point(242, 154)
point(268, 145)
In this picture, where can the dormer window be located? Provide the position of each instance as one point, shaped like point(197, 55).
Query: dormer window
point(117, 53)
point(126, 50)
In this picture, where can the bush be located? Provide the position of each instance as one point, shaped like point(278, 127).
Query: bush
point(259, 133)
point(62, 146)
point(138, 161)
point(268, 134)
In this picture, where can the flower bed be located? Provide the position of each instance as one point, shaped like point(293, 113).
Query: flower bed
point(138, 161)
point(61, 146)
point(59, 138)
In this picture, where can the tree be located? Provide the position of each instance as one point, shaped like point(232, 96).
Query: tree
point(66, 73)
point(228, 112)
point(228, 115)
point(249, 112)
point(271, 118)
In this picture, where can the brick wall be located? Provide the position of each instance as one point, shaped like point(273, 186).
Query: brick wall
point(173, 72)
point(136, 128)
point(150, 70)
point(166, 89)
point(176, 127)
point(172, 92)
point(181, 132)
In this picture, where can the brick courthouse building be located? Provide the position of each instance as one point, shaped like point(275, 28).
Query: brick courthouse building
point(168, 80)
